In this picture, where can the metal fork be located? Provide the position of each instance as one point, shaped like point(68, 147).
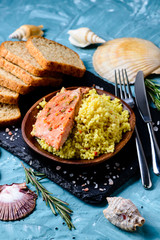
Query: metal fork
point(128, 98)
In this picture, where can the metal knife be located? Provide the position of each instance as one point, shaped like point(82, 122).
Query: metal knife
point(143, 106)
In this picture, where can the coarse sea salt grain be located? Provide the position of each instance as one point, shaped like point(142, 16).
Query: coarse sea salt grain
point(84, 184)
point(110, 181)
point(96, 185)
point(12, 138)
point(7, 130)
point(117, 164)
point(102, 189)
point(155, 128)
point(85, 189)
point(58, 168)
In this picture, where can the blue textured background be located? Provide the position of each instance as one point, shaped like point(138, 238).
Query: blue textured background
point(109, 19)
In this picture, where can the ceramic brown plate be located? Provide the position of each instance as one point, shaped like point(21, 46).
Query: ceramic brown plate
point(30, 119)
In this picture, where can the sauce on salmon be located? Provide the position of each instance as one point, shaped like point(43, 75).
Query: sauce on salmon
point(55, 121)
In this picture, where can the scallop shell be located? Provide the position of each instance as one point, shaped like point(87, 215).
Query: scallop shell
point(16, 201)
point(132, 54)
point(123, 213)
point(83, 37)
point(26, 31)
point(156, 71)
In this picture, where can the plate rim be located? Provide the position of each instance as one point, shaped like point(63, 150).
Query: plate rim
point(80, 162)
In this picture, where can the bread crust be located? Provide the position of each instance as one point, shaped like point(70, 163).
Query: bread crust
point(52, 65)
point(29, 79)
point(9, 99)
point(11, 57)
point(14, 119)
point(13, 85)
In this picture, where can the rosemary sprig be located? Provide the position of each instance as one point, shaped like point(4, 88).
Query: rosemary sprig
point(153, 90)
point(56, 205)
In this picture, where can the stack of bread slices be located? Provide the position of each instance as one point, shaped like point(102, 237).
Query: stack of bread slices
point(25, 65)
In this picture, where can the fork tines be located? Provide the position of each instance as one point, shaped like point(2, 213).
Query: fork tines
point(121, 78)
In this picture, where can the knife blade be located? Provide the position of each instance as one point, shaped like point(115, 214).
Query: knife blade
point(143, 107)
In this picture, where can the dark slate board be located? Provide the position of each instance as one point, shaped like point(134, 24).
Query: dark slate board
point(90, 184)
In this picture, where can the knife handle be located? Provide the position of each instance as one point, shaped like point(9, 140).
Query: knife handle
point(144, 171)
point(154, 149)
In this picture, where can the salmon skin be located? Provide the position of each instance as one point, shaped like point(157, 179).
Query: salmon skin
point(55, 121)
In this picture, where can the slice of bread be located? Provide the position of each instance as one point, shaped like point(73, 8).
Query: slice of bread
point(13, 83)
point(8, 96)
point(17, 53)
point(28, 78)
point(56, 57)
point(9, 114)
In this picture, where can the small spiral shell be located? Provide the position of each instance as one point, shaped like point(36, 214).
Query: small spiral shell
point(26, 31)
point(123, 213)
point(83, 37)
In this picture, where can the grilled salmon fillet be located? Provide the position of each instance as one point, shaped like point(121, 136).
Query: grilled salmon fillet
point(56, 119)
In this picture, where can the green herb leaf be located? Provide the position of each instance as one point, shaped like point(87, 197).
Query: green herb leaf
point(56, 205)
point(153, 89)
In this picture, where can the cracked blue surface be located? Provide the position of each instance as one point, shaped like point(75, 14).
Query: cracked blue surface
point(109, 19)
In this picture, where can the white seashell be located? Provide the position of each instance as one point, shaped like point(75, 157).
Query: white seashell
point(82, 37)
point(132, 54)
point(123, 213)
point(26, 31)
point(16, 201)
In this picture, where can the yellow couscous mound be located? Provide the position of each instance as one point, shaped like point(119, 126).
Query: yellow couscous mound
point(98, 126)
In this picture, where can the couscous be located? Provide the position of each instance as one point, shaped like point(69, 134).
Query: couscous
point(98, 126)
